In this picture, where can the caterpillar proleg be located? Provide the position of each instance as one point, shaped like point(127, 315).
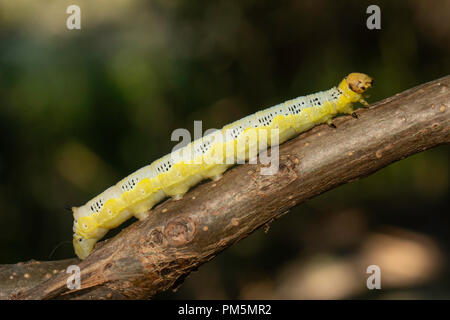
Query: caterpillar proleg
point(174, 174)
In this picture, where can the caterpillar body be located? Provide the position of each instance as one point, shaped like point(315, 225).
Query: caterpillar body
point(174, 174)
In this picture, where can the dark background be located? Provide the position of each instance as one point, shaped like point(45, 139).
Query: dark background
point(81, 109)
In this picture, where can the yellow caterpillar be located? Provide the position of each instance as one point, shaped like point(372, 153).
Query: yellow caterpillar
point(174, 174)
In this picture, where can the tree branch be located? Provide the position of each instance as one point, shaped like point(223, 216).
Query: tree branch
point(156, 254)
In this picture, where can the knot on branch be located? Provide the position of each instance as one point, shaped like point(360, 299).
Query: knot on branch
point(180, 231)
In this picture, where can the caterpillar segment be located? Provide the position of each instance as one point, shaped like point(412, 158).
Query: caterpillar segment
point(209, 157)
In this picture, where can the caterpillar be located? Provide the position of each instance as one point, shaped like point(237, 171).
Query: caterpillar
point(174, 174)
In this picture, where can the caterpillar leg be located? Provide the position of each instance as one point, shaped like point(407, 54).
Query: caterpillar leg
point(363, 102)
point(141, 215)
point(331, 123)
point(178, 196)
point(216, 177)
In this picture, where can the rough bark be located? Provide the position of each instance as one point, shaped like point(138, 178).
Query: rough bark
point(158, 253)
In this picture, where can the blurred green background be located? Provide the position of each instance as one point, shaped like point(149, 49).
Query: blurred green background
point(81, 109)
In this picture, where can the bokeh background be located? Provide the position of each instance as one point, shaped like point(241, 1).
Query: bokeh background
point(81, 109)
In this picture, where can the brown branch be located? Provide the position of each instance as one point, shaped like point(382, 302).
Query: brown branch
point(156, 254)
point(15, 278)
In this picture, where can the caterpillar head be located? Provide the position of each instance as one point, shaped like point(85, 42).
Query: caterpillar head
point(359, 82)
point(83, 247)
